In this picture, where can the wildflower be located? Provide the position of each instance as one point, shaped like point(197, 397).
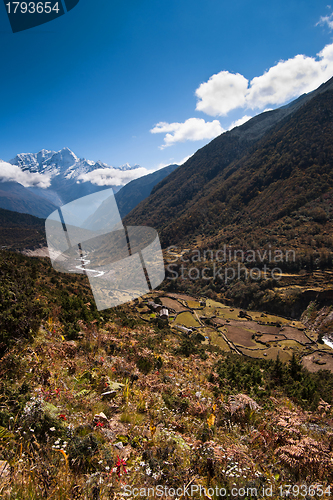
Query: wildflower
point(99, 424)
point(211, 420)
point(107, 468)
point(70, 430)
point(120, 464)
point(62, 416)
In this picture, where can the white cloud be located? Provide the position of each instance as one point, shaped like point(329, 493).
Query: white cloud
point(289, 79)
point(326, 20)
point(13, 173)
point(112, 176)
point(193, 129)
point(240, 122)
point(285, 80)
point(222, 93)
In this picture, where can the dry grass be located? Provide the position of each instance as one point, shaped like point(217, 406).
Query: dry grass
point(168, 419)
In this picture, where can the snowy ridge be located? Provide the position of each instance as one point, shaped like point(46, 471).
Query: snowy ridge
point(63, 162)
point(61, 176)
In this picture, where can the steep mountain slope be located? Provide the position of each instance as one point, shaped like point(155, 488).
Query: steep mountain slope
point(137, 190)
point(21, 231)
point(247, 177)
point(13, 196)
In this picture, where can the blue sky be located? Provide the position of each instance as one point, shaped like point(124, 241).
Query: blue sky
point(151, 81)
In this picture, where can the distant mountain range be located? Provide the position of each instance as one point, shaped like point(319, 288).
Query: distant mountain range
point(68, 176)
point(51, 179)
point(15, 197)
point(267, 183)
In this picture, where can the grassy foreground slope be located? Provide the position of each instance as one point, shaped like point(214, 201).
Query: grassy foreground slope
point(93, 402)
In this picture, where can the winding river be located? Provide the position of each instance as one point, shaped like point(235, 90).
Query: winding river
point(84, 262)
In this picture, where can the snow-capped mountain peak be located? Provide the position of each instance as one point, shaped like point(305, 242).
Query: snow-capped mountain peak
point(70, 177)
point(31, 161)
point(63, 162)
point(63, 159)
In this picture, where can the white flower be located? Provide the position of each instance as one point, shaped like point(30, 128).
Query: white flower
point(52, 429)
point(142, 464)
point(148, 471)
point(155, 476)
point(107, 468)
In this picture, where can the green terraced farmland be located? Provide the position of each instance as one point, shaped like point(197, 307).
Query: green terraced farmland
point(186, 319)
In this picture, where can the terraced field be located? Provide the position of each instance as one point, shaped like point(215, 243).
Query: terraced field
point(173, 304)
point(319, 360)
point(253, 334)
